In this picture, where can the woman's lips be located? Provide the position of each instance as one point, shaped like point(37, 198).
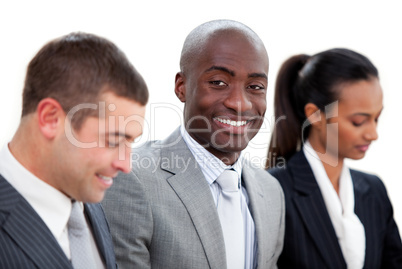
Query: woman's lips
point(363, 148)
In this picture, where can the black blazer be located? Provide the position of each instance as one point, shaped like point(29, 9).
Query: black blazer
point(310, 239)
point(26, 241)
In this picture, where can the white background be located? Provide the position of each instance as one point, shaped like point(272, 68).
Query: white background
point(151, 34)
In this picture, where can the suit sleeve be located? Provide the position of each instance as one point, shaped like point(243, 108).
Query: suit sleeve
point(279, 245)
point(392, 250)
point(130, 218)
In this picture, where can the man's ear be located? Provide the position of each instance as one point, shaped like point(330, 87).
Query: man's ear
point(50, 117)
point(180, 87)
point(314, 115)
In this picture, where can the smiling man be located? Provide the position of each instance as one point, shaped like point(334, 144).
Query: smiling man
point(186, 216)
point(83, 103)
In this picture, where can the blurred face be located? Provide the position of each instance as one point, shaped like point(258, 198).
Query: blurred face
point(225, 94)
point(89, 158)
point(355, 127)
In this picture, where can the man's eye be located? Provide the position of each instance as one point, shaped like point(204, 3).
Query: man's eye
point(257, 87)
point(113, 142)
point(217, 83)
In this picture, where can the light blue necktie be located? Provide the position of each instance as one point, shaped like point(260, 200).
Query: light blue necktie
point(231, 219)
point(78, 234)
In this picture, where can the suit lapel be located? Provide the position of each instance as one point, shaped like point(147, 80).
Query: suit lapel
point(189, 184)
point(365, 209)
point(257, 208)
point(20, 221)
point(309, 202)
point(255, 195)
point(101, 233)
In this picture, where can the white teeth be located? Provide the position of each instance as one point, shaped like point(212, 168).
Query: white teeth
point(232, 122)
point(105, 178)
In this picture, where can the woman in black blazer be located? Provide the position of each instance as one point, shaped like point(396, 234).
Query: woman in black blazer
point(327, 107)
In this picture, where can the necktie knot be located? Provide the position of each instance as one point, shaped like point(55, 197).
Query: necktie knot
point(76, 223)
point(228, 181)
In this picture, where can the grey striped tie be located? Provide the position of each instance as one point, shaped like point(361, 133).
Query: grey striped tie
point(78, 234)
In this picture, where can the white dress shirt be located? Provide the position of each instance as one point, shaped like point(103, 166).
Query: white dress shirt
point(348, 227)
point(50, 204)
point(212, 168)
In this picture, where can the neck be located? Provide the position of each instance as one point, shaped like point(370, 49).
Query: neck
point(334, 174)
point(332, 164)
point(228, 158)
point(27, 149)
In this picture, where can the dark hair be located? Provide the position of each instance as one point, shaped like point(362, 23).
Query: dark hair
point(78, 68)
point(303, 79)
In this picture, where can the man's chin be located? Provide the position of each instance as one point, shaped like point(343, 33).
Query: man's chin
point(229, 150)
point(94, 198)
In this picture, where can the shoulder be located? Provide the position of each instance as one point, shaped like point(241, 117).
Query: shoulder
point(284, 178)
point(370, 182)
point(363, 176)
point(283, 175)
point(279, 172)
point(153, 148)
point(146, 157)
point(156, 156)
point(295, 175)
point(284, 170)
point(262, 176)
point(10, 198)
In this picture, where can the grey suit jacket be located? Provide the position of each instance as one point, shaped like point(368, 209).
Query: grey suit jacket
point(26, 242)
point(162, 214)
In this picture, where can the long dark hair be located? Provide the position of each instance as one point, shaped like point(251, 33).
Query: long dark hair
point(304, 79)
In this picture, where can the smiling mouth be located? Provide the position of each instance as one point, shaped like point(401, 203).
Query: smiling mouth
point(232, 122)
point(105, 178)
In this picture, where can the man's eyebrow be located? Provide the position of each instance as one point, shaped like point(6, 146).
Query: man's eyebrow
point(221, 68)
point(232, 73)
point(258, 75)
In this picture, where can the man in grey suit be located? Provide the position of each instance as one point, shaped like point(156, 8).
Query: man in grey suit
point(164, 214)
point(68, 147)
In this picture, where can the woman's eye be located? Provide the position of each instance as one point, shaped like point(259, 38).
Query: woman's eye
point(357, 124)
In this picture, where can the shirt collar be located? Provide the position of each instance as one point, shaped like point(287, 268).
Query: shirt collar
point(210, 165)
point(324, 183)
point(51, 205)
